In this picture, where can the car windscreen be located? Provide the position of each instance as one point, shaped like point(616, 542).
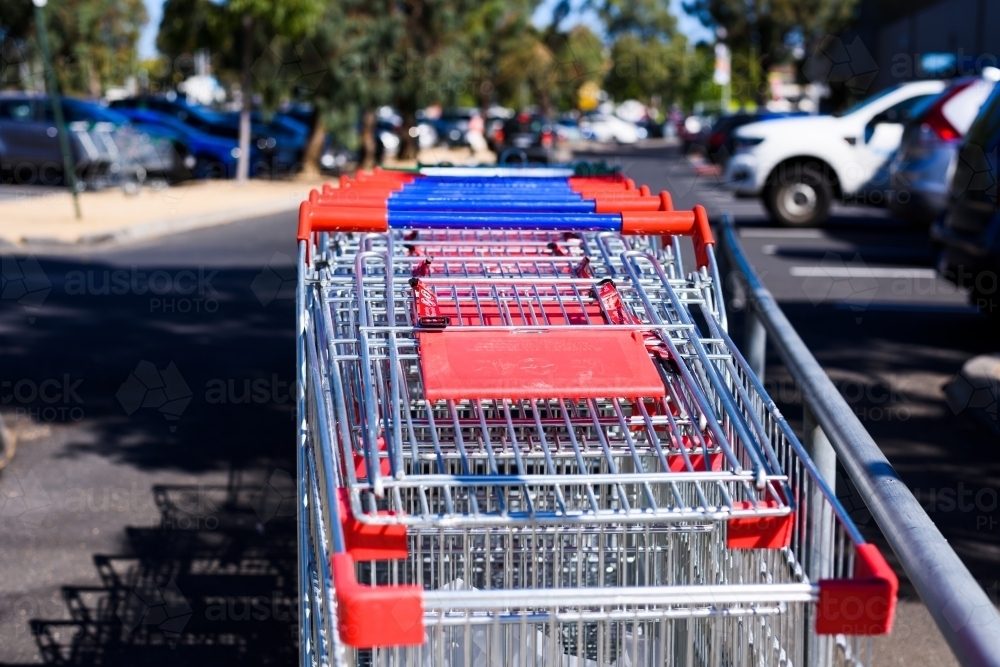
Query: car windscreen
point(525, 126)
point(74, 110)
point(865, 102)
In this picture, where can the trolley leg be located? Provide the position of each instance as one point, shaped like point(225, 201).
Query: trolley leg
point(818, 649)
point(818, 446)
point(756, 342)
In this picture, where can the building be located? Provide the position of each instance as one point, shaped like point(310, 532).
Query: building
point(915, 39)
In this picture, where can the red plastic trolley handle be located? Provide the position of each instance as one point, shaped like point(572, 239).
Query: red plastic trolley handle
point(600, 182)
point(862, 605)
point(694, 223)
point(604, 202)
point(374, 616)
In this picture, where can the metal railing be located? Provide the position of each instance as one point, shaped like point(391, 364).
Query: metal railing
point(963, 612)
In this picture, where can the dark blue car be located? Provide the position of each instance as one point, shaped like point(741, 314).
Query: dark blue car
point(275, 149)
point(204, 155)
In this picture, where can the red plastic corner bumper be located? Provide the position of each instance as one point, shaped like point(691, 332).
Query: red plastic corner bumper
point(764, 532)
point(370, 616)
point(862, 605)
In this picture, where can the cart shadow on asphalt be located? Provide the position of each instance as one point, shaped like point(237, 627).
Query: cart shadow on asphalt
point(215, 583)
point(163, 386)
point(169, 384)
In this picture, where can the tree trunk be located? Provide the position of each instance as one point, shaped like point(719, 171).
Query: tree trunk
point(243, 161)
point(408, 145)
point(314, 146)
point(367, 139)
point(544, 97)
point(94, 82)
point(485, 97)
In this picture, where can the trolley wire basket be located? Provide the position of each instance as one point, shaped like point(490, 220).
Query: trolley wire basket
point(453, 516)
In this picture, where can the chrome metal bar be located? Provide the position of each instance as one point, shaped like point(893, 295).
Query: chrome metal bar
point(756, 342)
point(963, 612)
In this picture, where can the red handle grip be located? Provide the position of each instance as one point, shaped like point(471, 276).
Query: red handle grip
point(668, 222)
point(313, 218)
point(373, 616)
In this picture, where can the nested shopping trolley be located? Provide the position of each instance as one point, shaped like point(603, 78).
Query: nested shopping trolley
point(557, 469)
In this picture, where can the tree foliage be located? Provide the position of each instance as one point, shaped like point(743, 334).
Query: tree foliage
point(551, 66)
point(648, 55)
point(491, 34)
point(93, 41)
point(765, 32)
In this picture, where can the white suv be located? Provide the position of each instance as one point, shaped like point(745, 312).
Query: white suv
point(798, 165)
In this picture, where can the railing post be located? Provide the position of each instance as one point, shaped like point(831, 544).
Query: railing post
point(818, 446)
point(819, 650)
point(755, 347)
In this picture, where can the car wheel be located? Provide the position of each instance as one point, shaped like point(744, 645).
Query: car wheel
point(799, 196)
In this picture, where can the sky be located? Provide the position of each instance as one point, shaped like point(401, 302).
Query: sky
point(688, 25)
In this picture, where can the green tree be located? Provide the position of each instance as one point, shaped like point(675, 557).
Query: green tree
point(648, 55)
point(761, 33)
point(491, 32)
point(429, 64)
point(355, 38)
point(93, 41)
point(552, 65)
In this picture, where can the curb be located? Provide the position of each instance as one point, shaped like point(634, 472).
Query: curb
point(975, 390)
point(164, 227)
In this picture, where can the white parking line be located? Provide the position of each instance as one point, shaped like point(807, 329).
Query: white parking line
point(859, 272)
point(783, 233)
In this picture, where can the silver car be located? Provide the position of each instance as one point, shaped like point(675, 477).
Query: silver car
point(920, 171)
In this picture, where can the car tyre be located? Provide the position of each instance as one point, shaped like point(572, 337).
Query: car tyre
point(799, 195)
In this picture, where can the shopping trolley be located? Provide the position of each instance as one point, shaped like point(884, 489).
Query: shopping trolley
point(684, 527)
point(510, 231)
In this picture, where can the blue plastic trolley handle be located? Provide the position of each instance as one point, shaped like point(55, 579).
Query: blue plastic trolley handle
point(593, 222)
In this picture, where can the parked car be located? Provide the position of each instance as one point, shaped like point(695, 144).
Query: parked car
point(271, 148)
point(918, 174)
point(493, 126)
point(653, 128)
point(105, 149)
point(717, 141)
point(202, 155)
point(799, 165)
point(969, 233)
point(606, 128)
point(452, 125)
point(568, 128)
point(692, 128)
point(534, 136)
point(137, 153)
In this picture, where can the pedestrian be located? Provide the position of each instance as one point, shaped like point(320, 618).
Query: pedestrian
point(475, 133)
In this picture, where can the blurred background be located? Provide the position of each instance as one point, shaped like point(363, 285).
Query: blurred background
point(154, 91)
point(153, 155)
